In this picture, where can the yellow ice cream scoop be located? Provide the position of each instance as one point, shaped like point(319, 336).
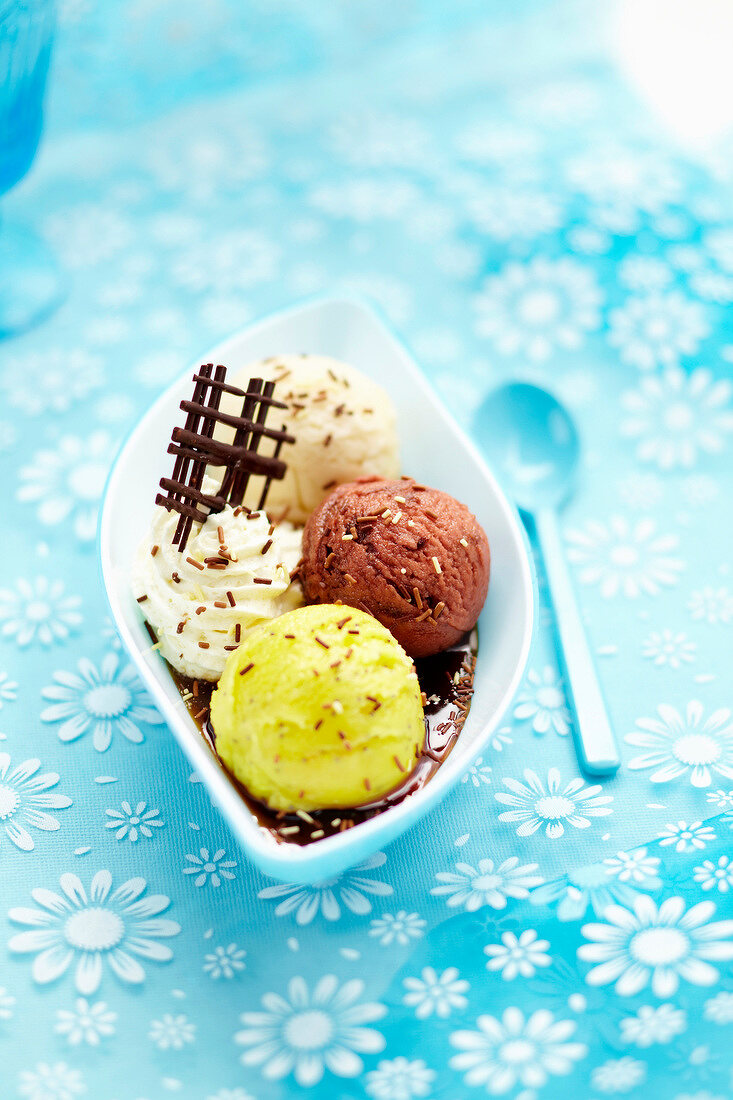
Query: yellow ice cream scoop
point(320, 708)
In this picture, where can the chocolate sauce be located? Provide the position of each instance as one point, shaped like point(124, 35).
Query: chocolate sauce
point(447, 682)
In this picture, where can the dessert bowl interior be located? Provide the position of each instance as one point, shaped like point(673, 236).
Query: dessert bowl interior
point(435, 451)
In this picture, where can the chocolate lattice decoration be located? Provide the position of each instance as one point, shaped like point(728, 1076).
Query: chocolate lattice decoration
point(195, 449)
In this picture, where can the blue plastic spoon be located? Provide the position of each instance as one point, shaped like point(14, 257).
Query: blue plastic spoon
point(532, 443)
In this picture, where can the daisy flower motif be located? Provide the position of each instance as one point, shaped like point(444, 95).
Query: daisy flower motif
point(224, 962)
point(620, 182)
point(400, 928)
point(677, 416)
point(93, 930)
point(684, 745)
point(351, 890)
point(371, 139)
point(25, 799)
point(38, 611)
point(625, 559)
point(88, 233)
point(538, 308)
point(618, 1075)
point(478, 773)
point(51, 381)
point(211, 868)
point(133, 823)
point(8, 689)
point(67, 482)
point(686, 837)
point(639, 272)
point(699, 490)
point(172, 1032)
point(518, 955)
point(104, 700)
point(712, 605)
point(85, 1023)
point(7, 1003)
point(722, 800)
point(646, 944)
point(471, 888)
point(400, 1079)
point(597, 885)
point(719, 1008)
point(536, 804)
point(227, 265)
point(669, 648)
point(231, 1094)
point(660, 1024)
point(514, 1050)
point(715, 876)
point(542, 699)
point(635, 866)
point(51, 1082)
point(506, 213)
point(436, 993)
point(308, 1032)
point(657, 329)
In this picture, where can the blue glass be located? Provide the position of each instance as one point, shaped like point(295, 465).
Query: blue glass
point(29, 279)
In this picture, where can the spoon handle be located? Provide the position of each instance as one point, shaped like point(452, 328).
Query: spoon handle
point(595, 740)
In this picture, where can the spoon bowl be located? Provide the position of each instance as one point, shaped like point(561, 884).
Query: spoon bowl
point(531, 441)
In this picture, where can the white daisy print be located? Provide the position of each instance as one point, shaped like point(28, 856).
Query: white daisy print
point(8, 689)
point(676, 417)
point(618, 1075)
point(686, 838)
point(67, 482)
point(25, 799)
point(51, 381)
point(722, 800)
point(104, 927)
point(715, 876)
point(712, 605)
point(657, 329)
point(172, 1032)
point(514, 1050)
point(351, 890)
point(636, 866)
point(599, 885)
point(620, 182)
point(685, 745)
point(210, 867)
point(625, 559)
point(240, 260)
point(371, 139)
point(88, 233)
point(400, 928)
point(518, 955)
point(538, 308)
point(639, 272)
point(478, 773)
point(653, 1024)
point(719, 1008)
point(542, 700)
point(669, 649)
point(231, 1094)
point(225, 962)
point(51, 1082)
point(471, 888)
point(508, 213)
point(365, 200)
point(130, 823)
point(436, 993)
point(308, 1032)
point(201, 166)
point(400, 1079)
point(552, 805)
point(85, 1022)
point(7, 1003)
point(103, 701)
point(38, 611)
point(646, 944)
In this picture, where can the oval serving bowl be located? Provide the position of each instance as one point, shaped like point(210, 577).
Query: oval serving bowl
point(435, 451)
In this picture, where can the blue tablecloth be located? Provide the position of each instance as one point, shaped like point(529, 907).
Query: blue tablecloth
point(511, 211)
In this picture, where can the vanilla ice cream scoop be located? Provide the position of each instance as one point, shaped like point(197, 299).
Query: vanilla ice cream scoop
point(201, 602)
point(344, 424)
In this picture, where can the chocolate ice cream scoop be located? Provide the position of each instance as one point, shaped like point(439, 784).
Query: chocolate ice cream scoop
point(414, 557)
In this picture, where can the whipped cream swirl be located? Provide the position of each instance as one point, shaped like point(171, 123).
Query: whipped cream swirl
point(199, 610)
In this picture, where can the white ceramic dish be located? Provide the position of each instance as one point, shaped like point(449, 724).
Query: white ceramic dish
point(434, 450)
